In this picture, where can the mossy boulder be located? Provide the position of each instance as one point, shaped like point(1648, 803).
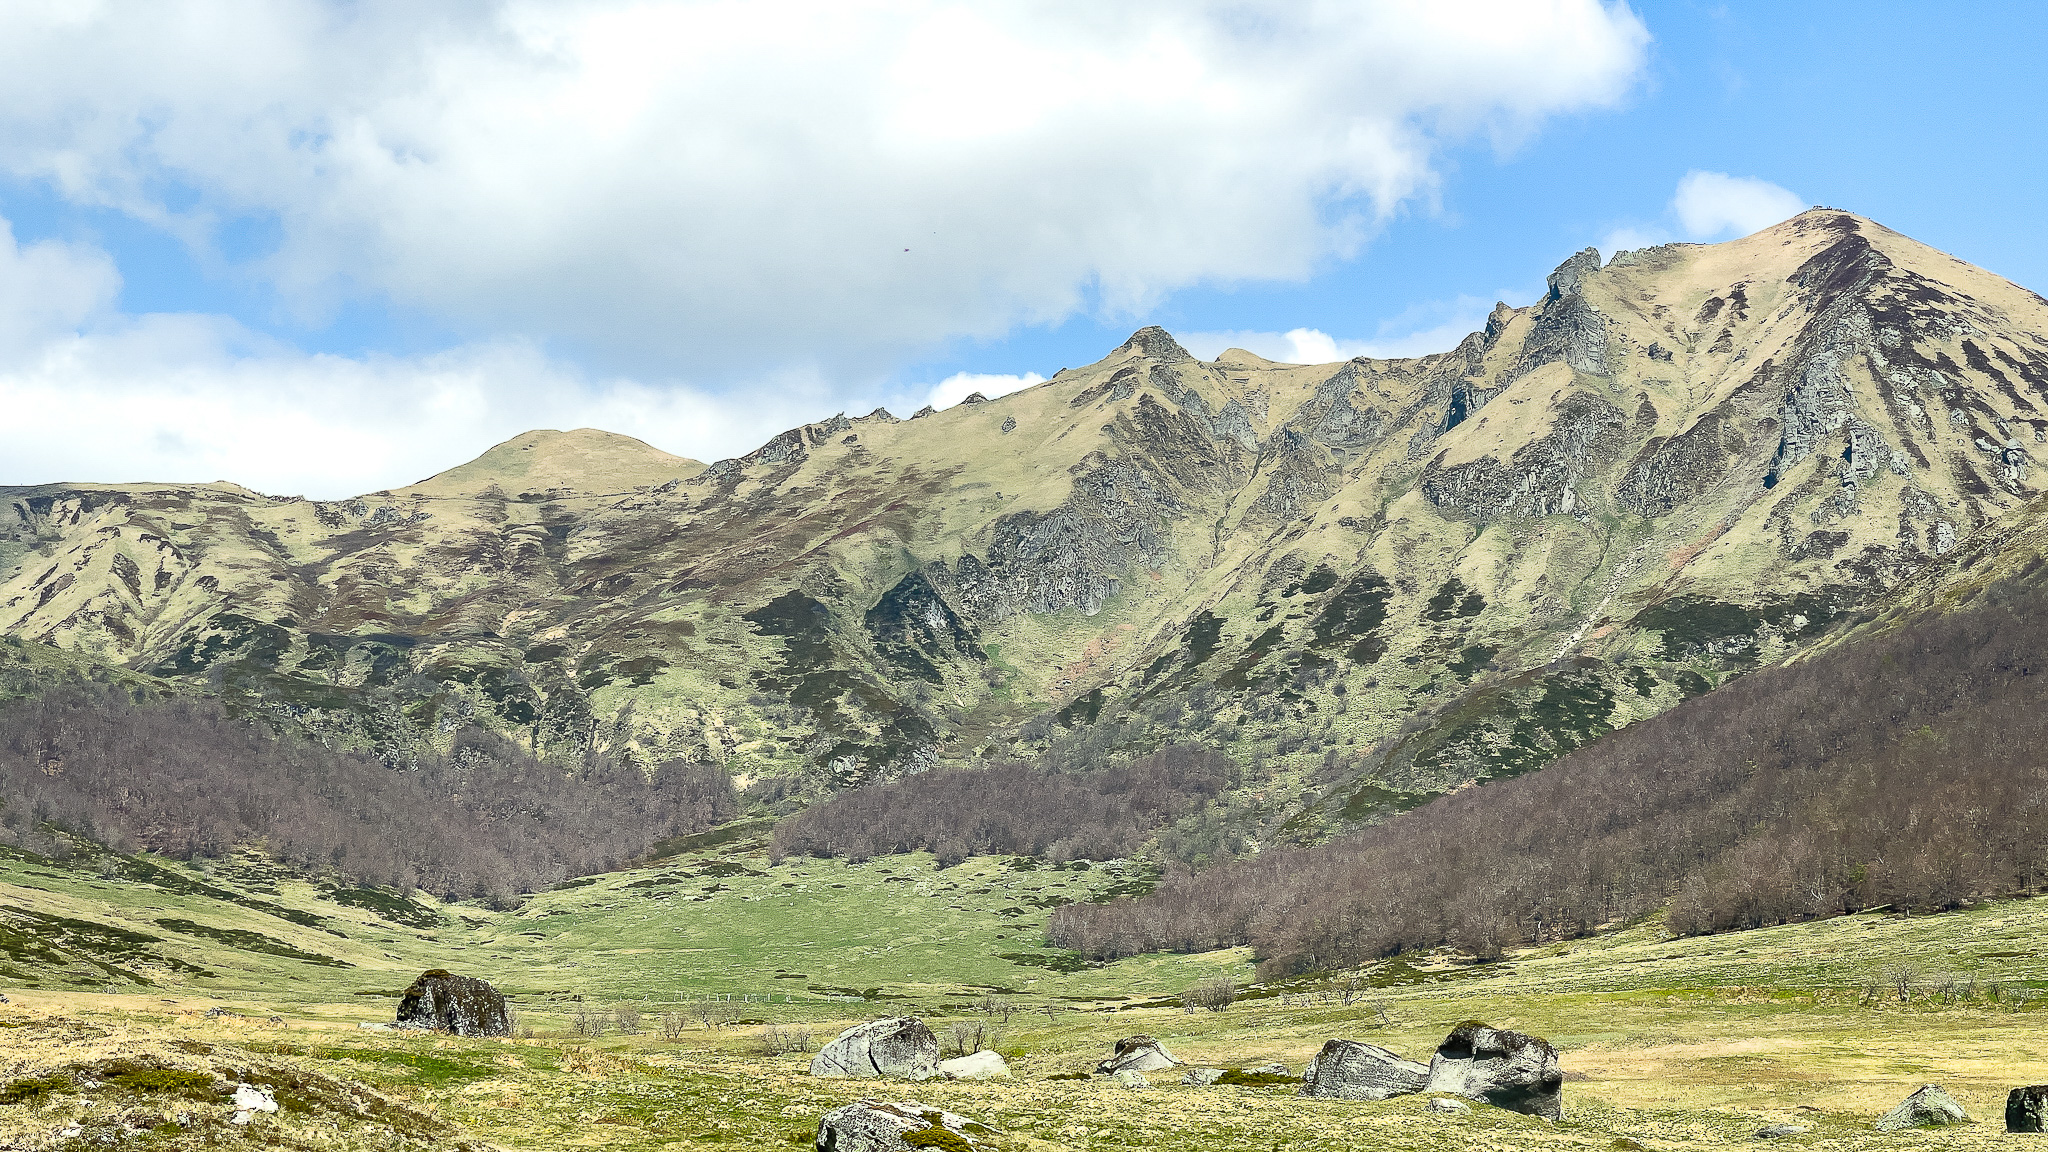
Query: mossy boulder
point(1928, 1107)
point(1354, 1070)
point(463, 1005)
point(899, 1047)
point(1138, 1053)
point(883, 1126)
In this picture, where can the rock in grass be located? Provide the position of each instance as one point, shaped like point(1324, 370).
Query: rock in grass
point(1199, 1077)
point(1927, 1107)
point(1502, 1068)
point(881, 1126)
point(899, 1047)
point(1135, 1081)
point(2026, 1109)
point(464, 1005)
point(1139, 1053)
point(1446, 1104)
point(1353, 1070)
point(1780, 1131)
point(977, 1066)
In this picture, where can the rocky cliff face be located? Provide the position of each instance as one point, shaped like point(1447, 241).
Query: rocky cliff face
point(1374, 580)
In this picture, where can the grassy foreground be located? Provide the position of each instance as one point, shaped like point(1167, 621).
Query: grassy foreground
point(1667, 1043)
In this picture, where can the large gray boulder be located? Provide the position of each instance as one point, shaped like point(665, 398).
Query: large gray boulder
point(900, 1047)
point(2026, 1109)
point(464, 1005)
point(1139, 1053)
point(983, 1065)
point(1927, 1107)
point(1352, 1070)
point(880, 1126)
point(1502, 1068)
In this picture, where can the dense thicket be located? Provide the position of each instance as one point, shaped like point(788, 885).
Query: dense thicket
point(1909, 769)
point(182, 778)
point(1020, 809)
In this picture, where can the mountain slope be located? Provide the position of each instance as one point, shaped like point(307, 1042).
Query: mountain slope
point(1372, 580)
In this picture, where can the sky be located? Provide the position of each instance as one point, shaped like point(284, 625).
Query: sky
point(324, 248)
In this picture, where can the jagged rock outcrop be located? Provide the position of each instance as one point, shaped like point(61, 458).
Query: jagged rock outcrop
point(1506, 1069)
point(1353, 1070)
point(898, 1048)
point(441, 1001)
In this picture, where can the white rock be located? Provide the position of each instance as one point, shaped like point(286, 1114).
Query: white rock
point(978, 1066)
point(1133, 1080)
point(900, 1047)
point(1440, 1104)
point(250, 1098)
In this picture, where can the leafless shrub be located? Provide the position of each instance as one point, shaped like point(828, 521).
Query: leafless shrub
point(1211, 995)
point(1902, 978)
point(970, 1036)
point(589, 1022)
point(628, 1016)
point(995, 1007)
point(783, 1039)
point(672, 1025)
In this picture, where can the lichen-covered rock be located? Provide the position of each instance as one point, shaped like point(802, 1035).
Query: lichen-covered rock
point(1138, 1053)
point(463, 1005)
point(899, 1047)
point(1505, 1069)
point(1448, 1106)
point(1351, 1070)
point(2026, 1109)
point(976, 1066)
point(1198, 1077)
point(1928, 1107)
point(1135, 1081)
point(883, 1126)
point(1780, 1131)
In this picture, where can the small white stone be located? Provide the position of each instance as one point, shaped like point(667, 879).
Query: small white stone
point(250, 1098)
point(1440, 1104)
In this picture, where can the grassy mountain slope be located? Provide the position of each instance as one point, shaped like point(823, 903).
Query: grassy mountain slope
point(1372, 581)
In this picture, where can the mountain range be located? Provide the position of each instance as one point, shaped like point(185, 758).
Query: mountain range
point(1371, 582)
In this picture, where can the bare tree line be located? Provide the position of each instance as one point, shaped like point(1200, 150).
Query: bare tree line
point(185, 779)
point(1015, 809)
point(1908, 769)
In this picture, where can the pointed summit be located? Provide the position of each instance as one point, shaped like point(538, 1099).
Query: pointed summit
point(582, 460)
point(1154, 341)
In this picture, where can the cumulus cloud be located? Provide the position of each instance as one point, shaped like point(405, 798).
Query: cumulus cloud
point(960, 385)
point(832, 179)
point(1711, 206)
point(1423, 329)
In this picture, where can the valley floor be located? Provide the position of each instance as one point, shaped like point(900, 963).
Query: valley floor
point(1671, 1043)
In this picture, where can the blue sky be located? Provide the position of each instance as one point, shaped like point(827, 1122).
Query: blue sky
point(240, 252)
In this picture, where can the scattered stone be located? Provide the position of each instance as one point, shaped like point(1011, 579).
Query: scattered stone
point(1780, 1131)
point(1139, 1053)
point(463, 1005)
point(1446, 1104)
point(1135, 1081)
point(1352, 1070)
point(976, 1066)
point(1009, 424)
point(1502, 1068)
point(900, 1047)
point(250, 1098)
point(881, 1126)
point(1202, 1076)
point(375, 1027)
point(2026, 1109)
point(1928, 1107)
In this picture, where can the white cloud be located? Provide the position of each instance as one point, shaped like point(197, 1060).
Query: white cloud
point(960, 385)
point(829, 179)
point(1710, 204)
point(1419, 331)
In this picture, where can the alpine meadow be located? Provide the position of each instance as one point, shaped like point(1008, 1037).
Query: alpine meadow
point(1613, 719)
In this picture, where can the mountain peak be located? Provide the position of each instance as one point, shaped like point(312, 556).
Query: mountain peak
point(1152, 340)
point(582, 459)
